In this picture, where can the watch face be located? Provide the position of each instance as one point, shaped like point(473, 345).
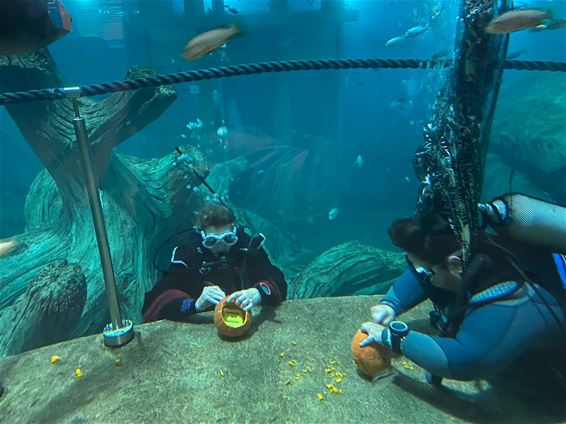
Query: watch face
point(399, 327)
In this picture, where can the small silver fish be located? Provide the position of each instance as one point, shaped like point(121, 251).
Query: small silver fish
point(194, 125)
point(333, 214)
point(222, 132)
point(359, 161)
point(416, 30)
point(394, 40)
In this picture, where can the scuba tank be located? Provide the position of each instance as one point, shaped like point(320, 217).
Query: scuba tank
point(528, 220)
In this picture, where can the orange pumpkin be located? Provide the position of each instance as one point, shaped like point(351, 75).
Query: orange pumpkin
point(371, 359)
point(230, 319)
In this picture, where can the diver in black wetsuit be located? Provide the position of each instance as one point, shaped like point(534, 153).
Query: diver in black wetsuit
point(510, 298)
point(218, 259)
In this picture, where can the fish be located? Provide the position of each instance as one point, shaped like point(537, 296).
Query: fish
point(359, 161)
point(206, 42)
point(416, 30)
point(28, 25)
point(515, 54)
point(194, 125)
point(222, 132)
point(6, 247)
point(440, 54)
point(231, 9)
point(550, 24)
point(394, 40)
point(333, 213)
point(398, 103)
point(555, 24)
point(516, 20)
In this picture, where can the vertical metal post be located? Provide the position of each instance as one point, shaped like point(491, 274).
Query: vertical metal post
point(119, 332)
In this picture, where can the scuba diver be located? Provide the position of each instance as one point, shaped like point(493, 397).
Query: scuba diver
point(218, 259)
point(509, 298)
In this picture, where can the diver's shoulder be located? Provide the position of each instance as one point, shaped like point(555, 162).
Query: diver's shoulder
point(190, 247)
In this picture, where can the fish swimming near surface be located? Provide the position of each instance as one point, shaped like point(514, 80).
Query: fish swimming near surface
point(27, 25)
point(208, 41)
point(416, 30)
point(517, 20)
point(394, 40)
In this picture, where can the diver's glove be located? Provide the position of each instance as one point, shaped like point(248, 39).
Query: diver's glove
point(246, 299)
point(382, 314)
point(375, 334)
point(210, 296)
point(493, 213)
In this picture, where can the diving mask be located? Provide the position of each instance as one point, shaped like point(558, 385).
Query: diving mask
point(219, 243)
point(423, 273)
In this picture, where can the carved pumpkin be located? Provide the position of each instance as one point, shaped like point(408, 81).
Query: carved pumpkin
point(230, 319)
point(372, 359)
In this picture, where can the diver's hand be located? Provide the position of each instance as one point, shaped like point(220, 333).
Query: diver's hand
point(210, 296)
point(373, 331)
point(246, 299)
point(382, 314)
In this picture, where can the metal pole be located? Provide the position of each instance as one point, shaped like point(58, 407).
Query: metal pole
point(119, 332)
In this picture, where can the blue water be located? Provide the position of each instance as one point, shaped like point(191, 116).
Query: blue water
point(376, 114)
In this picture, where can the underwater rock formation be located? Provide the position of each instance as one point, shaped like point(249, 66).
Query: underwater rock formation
point(48, 312)
point(529, 131)
point(143, 200)
point(351, 268)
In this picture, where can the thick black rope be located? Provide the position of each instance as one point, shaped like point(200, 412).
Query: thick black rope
point(256, 68)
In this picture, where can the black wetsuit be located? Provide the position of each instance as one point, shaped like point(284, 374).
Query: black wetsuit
point(193, 267)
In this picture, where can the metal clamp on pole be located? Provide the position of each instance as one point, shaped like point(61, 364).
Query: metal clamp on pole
point(119, 332)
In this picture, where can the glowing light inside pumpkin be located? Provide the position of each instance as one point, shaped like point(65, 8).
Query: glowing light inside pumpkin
point(233, 317)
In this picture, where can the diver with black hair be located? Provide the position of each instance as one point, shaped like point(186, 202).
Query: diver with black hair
point(509, 298)
point(218, 259)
